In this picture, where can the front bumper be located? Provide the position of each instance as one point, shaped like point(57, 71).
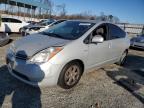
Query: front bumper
point(137, 45)
point(33, 74)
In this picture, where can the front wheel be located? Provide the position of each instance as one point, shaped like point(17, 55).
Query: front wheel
point(70, 75)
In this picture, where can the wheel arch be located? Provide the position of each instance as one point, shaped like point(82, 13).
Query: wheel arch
point(80, 62)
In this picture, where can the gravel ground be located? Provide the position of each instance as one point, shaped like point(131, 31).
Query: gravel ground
point(110, 87)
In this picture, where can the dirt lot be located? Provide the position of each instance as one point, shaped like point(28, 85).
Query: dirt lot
point(110, 87)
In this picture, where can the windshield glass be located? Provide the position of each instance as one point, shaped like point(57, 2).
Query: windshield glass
point(57, 22)
point(47, 22)
point(69, 29)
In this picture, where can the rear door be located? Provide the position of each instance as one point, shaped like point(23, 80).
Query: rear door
point(15, 24)
point(118, 41)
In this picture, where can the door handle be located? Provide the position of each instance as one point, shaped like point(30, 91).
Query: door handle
point(109, 45)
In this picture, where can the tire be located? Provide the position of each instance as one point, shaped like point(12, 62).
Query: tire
point(123, 58)
point(70, 75)
point(5, 40)
point(20, 30)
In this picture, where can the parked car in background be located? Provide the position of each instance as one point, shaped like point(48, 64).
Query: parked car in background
point(4, 39)
point(40, 28)
point(32, 22)
point(43, 20)
point(36, 26)
point(138, 42)
point(11, 25)
point(62, 53)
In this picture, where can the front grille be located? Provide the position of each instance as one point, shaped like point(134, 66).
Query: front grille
point(138, 46)
point(21, 75)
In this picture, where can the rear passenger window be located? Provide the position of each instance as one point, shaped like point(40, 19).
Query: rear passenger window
point(4, 19)
point(15, 21)
point(101, 30)
point(116, 32)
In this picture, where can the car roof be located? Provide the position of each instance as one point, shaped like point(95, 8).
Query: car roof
point(91, 21)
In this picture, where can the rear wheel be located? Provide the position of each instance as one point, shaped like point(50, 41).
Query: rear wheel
point(20, 30)
point(123, 58)
point(70, 75)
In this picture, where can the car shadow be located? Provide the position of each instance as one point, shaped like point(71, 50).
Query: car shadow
point(22, 95)
point(135, 63)
point(130, 76)
point(128, 81)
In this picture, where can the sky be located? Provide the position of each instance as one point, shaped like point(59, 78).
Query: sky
point(131, 11)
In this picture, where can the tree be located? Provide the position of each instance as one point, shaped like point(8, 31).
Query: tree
point(116, 19)
point(110, 18)
point(40, 8)
point(62, 9)
point(50, 5)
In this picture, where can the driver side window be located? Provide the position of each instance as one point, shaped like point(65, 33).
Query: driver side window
point(101, 31)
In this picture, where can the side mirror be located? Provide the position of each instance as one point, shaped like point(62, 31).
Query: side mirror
point(97, 39)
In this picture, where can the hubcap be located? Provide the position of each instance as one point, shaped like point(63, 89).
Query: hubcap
point(72, 75)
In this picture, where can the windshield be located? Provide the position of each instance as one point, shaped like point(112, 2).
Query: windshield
point(57, 22)
point(47, 22)
point(69, 29)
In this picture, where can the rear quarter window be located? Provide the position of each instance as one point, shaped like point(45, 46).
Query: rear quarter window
point(116, 32)
point(15, 21)
point(4, 19)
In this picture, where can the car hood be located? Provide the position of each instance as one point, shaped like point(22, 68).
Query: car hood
point(34, 26)
point(32, 44)
point(138, 39)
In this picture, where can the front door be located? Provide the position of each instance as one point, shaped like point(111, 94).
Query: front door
point(99, 53)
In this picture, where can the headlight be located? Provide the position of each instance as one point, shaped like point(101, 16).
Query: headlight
point(45, 55)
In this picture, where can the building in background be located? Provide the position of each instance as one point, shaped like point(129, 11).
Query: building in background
point(25, 8)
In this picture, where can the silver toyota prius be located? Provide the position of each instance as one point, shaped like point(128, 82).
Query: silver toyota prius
point(61, 54)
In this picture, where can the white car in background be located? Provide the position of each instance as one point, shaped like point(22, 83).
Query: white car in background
point(11, 25)
point(40, 27)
